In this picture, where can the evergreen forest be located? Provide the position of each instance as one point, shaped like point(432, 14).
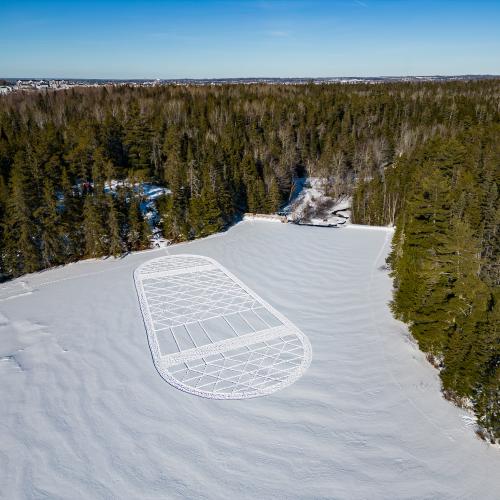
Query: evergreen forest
point(424, 157)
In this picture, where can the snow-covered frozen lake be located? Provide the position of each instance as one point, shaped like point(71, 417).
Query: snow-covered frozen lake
point(84, 413)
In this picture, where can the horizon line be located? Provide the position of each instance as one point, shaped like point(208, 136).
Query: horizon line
point(436, 75)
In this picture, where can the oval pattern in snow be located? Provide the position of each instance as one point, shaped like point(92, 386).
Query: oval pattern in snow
point(212, 336)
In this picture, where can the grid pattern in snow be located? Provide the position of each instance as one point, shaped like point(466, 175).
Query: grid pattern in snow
point(181, 262)
point(211, 335)
point(193, 296)
point(249, 369)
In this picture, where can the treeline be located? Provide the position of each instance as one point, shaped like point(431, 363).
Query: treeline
point(221, 150)
point(443, 197)
point(48, 220)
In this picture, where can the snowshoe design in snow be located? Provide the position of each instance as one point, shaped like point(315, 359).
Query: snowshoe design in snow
point(212, 336)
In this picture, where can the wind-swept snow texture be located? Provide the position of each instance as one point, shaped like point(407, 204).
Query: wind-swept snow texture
point(212, 336)
point(84, 413)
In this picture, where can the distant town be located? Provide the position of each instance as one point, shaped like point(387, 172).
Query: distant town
point(9, 85)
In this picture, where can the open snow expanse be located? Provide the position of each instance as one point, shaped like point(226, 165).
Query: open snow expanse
point(84, 413)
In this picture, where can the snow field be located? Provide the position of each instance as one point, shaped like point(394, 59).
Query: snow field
point(84, 413)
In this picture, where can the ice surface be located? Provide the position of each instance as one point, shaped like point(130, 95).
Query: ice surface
point(84, 413)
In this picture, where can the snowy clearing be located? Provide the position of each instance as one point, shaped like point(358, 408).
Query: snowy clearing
point(85, 414)
point(148, 194)
point(314, 207)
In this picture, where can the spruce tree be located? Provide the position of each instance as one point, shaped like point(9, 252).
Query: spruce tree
point(256, 196)
point(93, 231)
point(22, 253)
point(71, 219)
point(49, 221)
point(137, 139)
point(195, 212)
point(273, 197)
point(138, 230)
point(114, 240)
point(211, 213)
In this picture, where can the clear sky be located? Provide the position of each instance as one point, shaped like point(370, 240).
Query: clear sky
point(237, 38)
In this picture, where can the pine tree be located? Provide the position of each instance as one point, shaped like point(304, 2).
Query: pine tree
point(99, 170)
point(50, 227)
point(138, 232)
point(71, 219)
point(211, 214)
point(4, 196)
point(274, 197)
point(137, 139)
point(20, 230)
point(80, 154)
point(115, 244)
point(172, 152)
point(93, 230)
point(174, 211)
point(173, 218)
point(256, 196)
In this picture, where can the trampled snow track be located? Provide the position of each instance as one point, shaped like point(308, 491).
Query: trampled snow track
point(212, 336)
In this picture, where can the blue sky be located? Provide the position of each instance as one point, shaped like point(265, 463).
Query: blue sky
point(224, 38)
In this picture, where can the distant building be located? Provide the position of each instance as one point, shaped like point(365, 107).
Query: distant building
point(42, 84)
